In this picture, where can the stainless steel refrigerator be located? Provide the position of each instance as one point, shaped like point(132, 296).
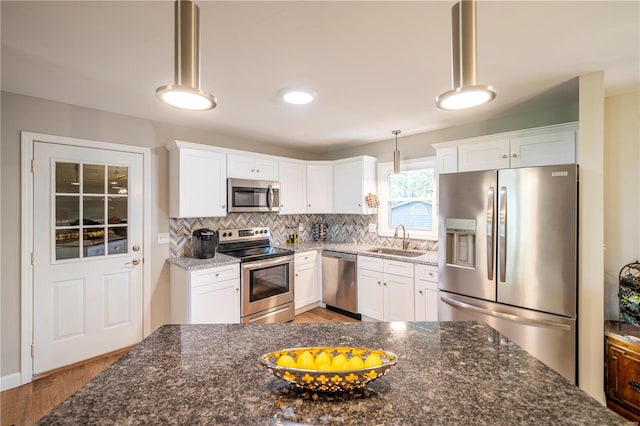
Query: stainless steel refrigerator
point(508, 257)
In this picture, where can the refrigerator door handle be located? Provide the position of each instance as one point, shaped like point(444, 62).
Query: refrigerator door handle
point(504, 315)
point(490, 225)
point(502, 247)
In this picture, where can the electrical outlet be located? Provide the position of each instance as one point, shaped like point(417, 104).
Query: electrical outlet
point(373, 227)
point(300, 227)
point(163, 238)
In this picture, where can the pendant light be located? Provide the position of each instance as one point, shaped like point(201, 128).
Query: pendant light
point(465, 93)
point(396, 154)
point(186, 92)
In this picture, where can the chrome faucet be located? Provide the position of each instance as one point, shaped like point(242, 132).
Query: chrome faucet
point(405, 236)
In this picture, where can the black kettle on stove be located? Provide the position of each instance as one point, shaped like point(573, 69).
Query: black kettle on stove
point(204, 242)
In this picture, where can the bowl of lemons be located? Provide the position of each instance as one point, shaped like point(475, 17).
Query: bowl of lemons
point(329, 369)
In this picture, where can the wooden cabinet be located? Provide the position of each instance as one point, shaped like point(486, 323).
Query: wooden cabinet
point(205, 296)
point(541, 146)
point(320, 188)
point(622, 373)
point(385, 289)
point(250, 167)
point(293, 187)
point(426, 293)
point(307, 281)
point(197, 182)
point(353, 179)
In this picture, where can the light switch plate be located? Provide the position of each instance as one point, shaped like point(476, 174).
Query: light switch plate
point(163, 238)
point(300, 227)
point(373, 227)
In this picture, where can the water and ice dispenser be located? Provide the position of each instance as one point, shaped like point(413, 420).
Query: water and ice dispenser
point(461, 243)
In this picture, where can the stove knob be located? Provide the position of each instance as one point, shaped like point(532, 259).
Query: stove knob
point(224, 234)
point(230, 234)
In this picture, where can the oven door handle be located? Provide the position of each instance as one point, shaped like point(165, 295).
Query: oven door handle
point(262, 264)
point(270, 197)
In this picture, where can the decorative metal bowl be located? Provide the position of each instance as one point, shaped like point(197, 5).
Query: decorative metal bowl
point(330, 380)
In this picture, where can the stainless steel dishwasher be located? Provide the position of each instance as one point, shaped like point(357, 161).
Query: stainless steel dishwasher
point(339, 282)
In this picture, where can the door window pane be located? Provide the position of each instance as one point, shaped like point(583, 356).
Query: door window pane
point(93, 179)
point(67, 244)
point(118, 240)
point(93, 210)
point(68, 178)
point(117, 210)
point(118, 180)
point(67, 210)
point(93, 242)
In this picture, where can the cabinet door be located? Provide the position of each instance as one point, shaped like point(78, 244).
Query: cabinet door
point(398, 298)
point(241, 167)
point(305, 289)
point(488, 155)
point(447, 159)
point(543, 149)
point(266, 169)
point(216, 303)
point(319, 188)
point(293, 188)
point(347, 187)
point(370, 294)
point(197, 185)
point(426, 302)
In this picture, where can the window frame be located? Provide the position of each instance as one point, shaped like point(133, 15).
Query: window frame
point(384, 170)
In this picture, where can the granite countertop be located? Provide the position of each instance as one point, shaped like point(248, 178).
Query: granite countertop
point(188, 263)
point(447, 373)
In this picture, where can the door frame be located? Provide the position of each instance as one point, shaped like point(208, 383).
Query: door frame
point(26, 235)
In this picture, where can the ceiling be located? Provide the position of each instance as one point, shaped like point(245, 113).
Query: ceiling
point(375, 66)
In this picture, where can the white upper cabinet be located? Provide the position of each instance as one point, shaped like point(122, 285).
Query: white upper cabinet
point(293, 187)
point(319, 188)
point(250, 167)
point(541, 146)
point(486, 155)
point(197, 182)
point(353, 179)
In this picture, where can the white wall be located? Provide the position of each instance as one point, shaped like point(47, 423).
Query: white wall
point(621, 191)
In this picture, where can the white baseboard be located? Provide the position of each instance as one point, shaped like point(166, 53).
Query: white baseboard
point(307, 308)
point(10, 381)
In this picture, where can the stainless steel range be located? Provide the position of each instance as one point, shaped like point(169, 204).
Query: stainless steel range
point(266, 279)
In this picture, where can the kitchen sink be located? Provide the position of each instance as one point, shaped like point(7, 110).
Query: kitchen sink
point(396, 252)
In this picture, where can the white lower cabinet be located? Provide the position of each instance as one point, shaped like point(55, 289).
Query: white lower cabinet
point(205, 296)
point(426, 293)
point(307, 281)
point(385, 289)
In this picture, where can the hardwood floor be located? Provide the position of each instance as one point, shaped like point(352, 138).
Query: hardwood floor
point(26, 404)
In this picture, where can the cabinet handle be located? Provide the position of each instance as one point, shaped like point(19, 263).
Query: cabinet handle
point(505, 156)
point(223, 206)
point(634, 385)
point(306, 257)
point(379, 283)
point(430, 274)
point(237, 289)
point(385, 284)
point(421, 293)
point(253, 170)
point(257, 170)
point(359, 205)
point(217, 275)
point(297, 275)
point(515, 155)
point(308, 205)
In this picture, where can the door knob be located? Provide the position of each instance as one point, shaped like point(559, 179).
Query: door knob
point(134, 262)
point(135, 247)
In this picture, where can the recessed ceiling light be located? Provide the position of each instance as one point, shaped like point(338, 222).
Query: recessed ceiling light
point(297, 97)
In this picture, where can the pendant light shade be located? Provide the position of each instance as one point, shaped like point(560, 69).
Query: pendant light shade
point(465, 93)
point(186, 92)
point(396, 154)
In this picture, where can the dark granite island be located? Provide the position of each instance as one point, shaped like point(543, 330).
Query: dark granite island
point(447, 373)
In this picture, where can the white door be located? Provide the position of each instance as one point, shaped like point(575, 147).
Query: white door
point(87, 259)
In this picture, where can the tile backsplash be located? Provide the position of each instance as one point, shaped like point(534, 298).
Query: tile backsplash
point(340, 228)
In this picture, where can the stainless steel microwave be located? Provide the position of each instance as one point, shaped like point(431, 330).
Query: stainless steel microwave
point(246, 195)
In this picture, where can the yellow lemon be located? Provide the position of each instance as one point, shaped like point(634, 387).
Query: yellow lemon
point(372, 360)
point(322, 359)
point(339, 362)
point(286, 361)
point(305, 361)
point(355, 363)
